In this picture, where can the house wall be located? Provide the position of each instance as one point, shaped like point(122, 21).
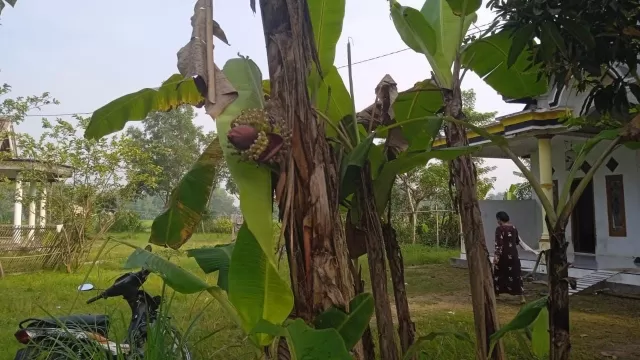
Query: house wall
point(525, 216)
point(629, 168)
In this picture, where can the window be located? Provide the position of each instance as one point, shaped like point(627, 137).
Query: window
point(615, 205)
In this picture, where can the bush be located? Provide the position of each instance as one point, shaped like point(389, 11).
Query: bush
point(127, 221)
point(221, 225)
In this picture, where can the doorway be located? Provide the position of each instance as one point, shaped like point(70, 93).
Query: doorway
point(583, 220)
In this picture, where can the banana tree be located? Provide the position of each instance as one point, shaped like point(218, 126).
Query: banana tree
point(360, 161)
point(258, 135)
point(556, 218)
point(503, 61)
point(249, 286)
point(511, 192)
point(437, 31)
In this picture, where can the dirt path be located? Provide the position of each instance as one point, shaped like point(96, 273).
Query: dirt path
point(603, 327)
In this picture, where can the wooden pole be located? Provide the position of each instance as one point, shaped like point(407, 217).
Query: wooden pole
point(437, 228)
point(211, 76)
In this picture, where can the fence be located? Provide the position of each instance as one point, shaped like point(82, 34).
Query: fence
point(29, 248)
point(435, 227)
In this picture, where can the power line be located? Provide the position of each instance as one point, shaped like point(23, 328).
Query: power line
point(478, 29)
point(374, 58)
point(52, 115)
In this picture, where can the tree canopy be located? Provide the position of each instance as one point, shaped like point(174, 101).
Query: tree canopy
point(594, 43)
point(173, 142)
point(428, 186)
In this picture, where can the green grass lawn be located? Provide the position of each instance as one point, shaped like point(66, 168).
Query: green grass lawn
point(438, 296)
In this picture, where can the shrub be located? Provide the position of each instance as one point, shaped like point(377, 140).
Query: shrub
point(221, 225)
point(127, 221)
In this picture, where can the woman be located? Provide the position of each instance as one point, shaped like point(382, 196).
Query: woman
point(506, 263)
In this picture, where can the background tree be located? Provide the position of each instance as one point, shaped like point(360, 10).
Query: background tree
point(101, 170)
point(15, 109)
point(146, 206)
point(484, 183)
point(427, 188)
point(173, 142)
point(221, 203)
point(431, 182)
point(591, 44)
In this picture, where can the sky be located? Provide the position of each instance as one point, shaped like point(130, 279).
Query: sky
point(87, 53)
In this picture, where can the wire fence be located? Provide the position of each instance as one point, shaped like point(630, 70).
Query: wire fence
point(433, 227)
point(30, 248)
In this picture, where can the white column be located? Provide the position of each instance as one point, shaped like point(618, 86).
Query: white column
point(546, 181)
point(43, 206)
point(32, 209)
point(17, 210)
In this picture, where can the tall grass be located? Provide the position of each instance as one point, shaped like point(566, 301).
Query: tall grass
point(414, 254)
point(438, 297)
point(155, 339)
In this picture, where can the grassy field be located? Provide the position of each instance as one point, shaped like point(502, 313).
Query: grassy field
point(438, 296)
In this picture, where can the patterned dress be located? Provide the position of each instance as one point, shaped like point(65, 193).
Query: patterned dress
point(506, 263)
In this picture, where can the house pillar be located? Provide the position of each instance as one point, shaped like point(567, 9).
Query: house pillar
point(546, 181)
point(43, 206)
point(17, 210)
point(32, 209)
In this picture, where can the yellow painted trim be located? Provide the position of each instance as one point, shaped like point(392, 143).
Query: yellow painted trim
point(510, 120)
point(493, 129)
point(439, 142)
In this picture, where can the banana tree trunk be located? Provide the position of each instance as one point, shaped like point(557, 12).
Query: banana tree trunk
point(368, 346)
point(406, 327)
point(371, 225)
point(558, 294)
point(308, 183)
point(464, 176)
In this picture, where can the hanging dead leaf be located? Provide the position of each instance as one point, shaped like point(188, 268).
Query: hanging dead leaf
point(225, 95)
point(380, 113)
point(387, 93)
point(219, 33)
point(192, 62)
point(192, 58)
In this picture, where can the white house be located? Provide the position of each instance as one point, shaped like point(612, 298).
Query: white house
point(604, 228)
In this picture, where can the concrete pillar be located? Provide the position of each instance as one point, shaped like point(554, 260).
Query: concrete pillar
point(43, 206)
point(32, 209)
point(17, 210)
point(544, 167)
